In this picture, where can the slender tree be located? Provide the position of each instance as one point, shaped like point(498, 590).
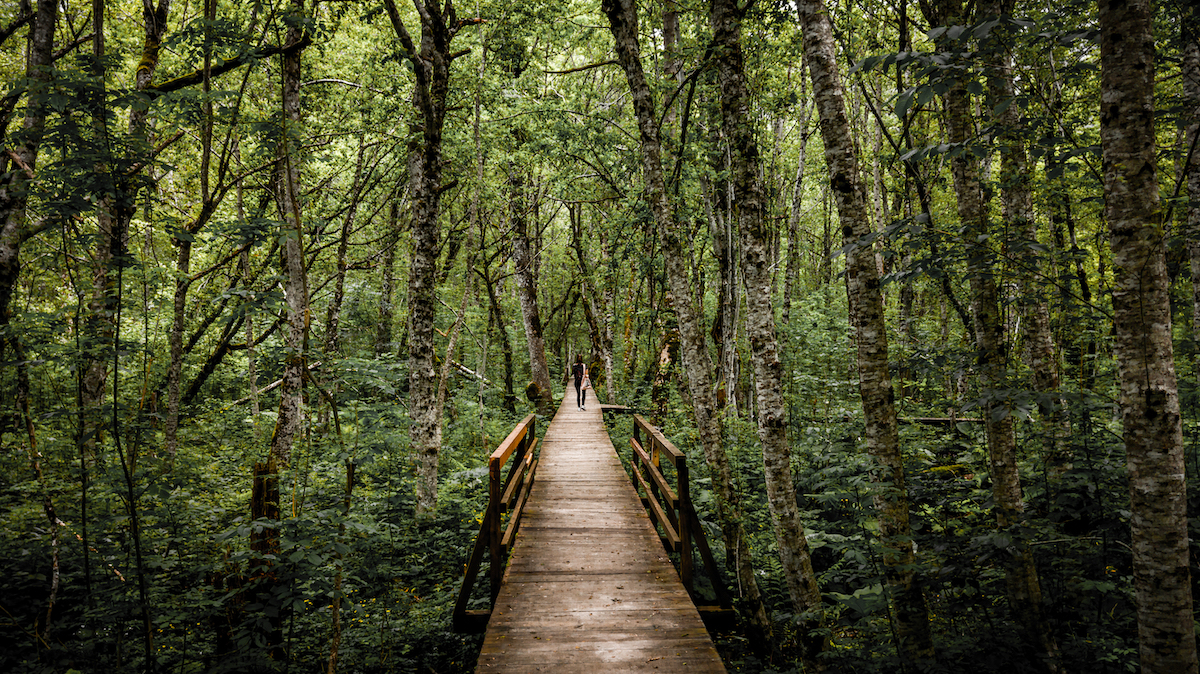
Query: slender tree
point(867, 310)
point(524, 266)
point(1142, 345)
point(1016, 201)
point(431, 69)
point(622, 18)
point(295, 285)
point(756, 235)
point(1022, 584)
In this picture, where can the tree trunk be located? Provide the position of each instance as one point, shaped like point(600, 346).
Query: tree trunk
point(1149, 396)
point(1021, 578)
point(595, 312)
point(264, 543)
point(725, 324)
point(791, 275)
point(1016, 198)
point(622, 17)
point(333, 315)
point(501, 326)
point(431, 69)
point(383, 330)
point(18, 168)
point(335, 639)
point(755, 235)
point(289, 422)
point(523, 264)
point(1191, 89)
point(867, 308)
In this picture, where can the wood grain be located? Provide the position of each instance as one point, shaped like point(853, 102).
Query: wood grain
point(588, 585)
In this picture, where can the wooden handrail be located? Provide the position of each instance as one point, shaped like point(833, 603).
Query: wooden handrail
point(505, 494)
point(671, 507)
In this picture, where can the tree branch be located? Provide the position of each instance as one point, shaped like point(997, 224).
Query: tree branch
point(610, 62)
point(223, 66)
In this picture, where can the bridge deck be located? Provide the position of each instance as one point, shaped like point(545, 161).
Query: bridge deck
point(588, 587)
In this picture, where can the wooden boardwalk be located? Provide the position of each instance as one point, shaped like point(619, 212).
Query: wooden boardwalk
point(588, 587)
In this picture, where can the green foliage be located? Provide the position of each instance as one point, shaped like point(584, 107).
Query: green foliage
point(156, 549)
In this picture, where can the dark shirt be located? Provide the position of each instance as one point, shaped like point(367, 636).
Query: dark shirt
point(578, 371)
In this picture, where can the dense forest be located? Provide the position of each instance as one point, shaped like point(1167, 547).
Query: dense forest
point(913, 284)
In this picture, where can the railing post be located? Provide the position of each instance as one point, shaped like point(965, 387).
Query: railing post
point(685, 529)
point(493, 524)
point(633, 457)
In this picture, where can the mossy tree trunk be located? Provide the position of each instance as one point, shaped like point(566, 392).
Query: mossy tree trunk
point(1142, 344)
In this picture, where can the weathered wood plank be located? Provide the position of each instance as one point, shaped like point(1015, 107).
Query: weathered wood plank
point(588, 584)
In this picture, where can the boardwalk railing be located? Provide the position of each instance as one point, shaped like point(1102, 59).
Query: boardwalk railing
point(670, 507)
point(505, 494)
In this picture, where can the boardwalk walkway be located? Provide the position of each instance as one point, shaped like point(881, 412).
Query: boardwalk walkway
point(588, 588)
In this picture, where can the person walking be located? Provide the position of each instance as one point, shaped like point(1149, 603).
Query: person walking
point(587, 386)
point(579, 370)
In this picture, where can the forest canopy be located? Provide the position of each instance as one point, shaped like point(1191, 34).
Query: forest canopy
point(913, 286)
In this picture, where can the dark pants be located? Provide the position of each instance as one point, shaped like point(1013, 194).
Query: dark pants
point(580, 394)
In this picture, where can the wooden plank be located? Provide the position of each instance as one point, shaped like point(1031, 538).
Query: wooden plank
point(659, 440)
point(588, 587)
point(506, 447)
point(657, 515)
point(460, 618)
point(616, 409)
point(514, 520)
point(517, 479)
point(672, 500)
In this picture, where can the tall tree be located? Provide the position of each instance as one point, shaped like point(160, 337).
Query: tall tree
point(1190, 68)
point(867, 316)
point(391, 240)
point(1149, 395)
point(430, 64)
point(18, 166)
point(1016, 201)
point(524, 266)
point(295, 277)
point(756, 237)
point(622, 19)
point(1022, 584)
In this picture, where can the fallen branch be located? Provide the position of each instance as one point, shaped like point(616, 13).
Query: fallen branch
point(468, 372)
point(269, 387)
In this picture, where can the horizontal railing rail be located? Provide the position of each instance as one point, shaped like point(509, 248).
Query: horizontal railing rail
point(505, 494)
point(670, 507)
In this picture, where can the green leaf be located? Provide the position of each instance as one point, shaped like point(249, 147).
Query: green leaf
point(903, 101)
point(866, 65)
point(925, 95)
point(1002, 107)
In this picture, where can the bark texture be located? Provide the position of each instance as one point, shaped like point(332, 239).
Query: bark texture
point(295, 284)
point(866, 302)
point(431, 69)
point(1016, 199)
point(524, 266)
point(19, 167)
point(1149, 397)
point(756, 237)
point(622, 17)
point(1022, 585)
point(383, 330)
